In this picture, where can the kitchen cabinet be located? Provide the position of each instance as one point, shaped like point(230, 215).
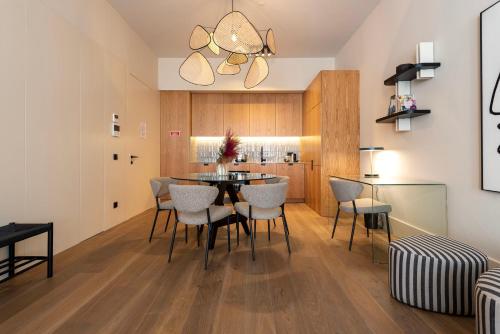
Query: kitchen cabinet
point(200, 167)
point(175, 115)
point(238, 167)
point(331, 135)
point(262, 115)
point(237, 113)
point(207, 114)
point(296, 185)
point(288, 115)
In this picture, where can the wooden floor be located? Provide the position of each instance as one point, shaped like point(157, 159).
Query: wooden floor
point(118, 282)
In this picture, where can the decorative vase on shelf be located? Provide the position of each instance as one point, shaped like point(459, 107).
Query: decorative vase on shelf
point(221, 169)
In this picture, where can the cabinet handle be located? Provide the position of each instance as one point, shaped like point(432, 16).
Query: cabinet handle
point(312, 164)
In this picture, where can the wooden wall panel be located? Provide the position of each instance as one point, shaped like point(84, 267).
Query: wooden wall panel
point(237, 113)
point(340, 120)
point(207, 114)
point(175, 116)
point(262, 115)
point(288, 115)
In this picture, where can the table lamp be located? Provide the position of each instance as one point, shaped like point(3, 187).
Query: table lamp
point(371, 149)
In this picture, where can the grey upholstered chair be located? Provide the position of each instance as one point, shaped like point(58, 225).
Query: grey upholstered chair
point(277, 179)
point(193, 206)
point(159, 187)
point(347, 192)
point(264, 202)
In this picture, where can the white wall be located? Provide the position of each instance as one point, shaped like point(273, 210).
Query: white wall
point(444, 146)
point(66, 67)
point(284, 74)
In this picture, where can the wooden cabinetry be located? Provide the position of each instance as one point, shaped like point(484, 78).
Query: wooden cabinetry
point(200, 167)
point(207, 114)
point(255, 114)
point(262, 115)
point(288, 115)
point(175, 115)
point(239, 167)
point(296, 185)
point(331, 134)
point(237, 114)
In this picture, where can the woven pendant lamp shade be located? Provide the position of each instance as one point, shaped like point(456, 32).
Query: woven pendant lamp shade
point(197, 70)
point(237, 59)
point(228, 69)
point(270, 41)
point(199, 38)
point(234, 33)
point(212, 46)
point(257, 73)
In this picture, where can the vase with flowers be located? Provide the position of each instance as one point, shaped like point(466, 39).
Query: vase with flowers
point(227, 152)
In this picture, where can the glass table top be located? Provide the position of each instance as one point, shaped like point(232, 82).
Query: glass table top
point(230, 177)
point(389, 181)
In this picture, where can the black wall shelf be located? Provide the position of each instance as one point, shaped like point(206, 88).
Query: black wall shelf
point(403, 114)
point(410, 74)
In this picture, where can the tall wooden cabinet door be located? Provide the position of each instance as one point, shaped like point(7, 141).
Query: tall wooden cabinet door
point(315, 135)
point(207, 115)
point(237, 114)
point(175, 115)
point(296, 184)
point(262, 115)
point(312, 187)
point(288, 115)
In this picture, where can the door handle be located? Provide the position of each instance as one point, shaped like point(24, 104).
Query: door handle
point(132, 158)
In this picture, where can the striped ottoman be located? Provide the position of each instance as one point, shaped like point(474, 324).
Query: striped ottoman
point(488, 302)
point(435, 273)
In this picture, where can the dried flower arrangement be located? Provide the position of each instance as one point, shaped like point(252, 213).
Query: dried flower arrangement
point(229, 148)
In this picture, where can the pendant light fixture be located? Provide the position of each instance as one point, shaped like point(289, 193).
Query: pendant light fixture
point(237, 36)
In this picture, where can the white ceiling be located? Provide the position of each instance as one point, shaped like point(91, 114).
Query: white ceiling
point(313, 28)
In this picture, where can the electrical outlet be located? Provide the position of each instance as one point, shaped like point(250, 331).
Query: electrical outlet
point(115, 205)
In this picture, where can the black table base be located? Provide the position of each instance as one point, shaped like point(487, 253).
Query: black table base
point(233, 195)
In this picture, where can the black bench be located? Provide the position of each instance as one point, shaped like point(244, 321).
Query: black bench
point(12, 233)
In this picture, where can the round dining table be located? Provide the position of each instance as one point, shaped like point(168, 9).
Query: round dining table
point(229, 184)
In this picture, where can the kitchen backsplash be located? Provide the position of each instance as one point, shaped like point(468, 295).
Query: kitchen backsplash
point(205, 149)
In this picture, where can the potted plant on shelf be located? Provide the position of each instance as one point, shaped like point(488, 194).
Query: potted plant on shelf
point(227, 152)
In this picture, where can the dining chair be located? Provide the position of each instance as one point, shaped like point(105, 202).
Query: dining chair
point(263, 202)
point(347, 193)
point(159, 187)
point(277, 179)
point(193, 205)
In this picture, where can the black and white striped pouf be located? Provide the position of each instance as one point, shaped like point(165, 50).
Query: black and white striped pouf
point(488, 302)
point(435, 273)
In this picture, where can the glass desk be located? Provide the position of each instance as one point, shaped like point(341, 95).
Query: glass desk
point(418, 207)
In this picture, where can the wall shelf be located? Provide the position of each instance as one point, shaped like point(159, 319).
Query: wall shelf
point(410, 74)
point(403, 114)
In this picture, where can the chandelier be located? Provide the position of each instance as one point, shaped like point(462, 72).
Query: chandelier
point(240, 40)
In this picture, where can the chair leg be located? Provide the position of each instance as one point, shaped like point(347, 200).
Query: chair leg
point(252, 239)
point(336, 220)
point(274, 221)
point(254, 229)
point(186, 233)
point(168, 220)
point(198, 232)
point(172, 241)
point(237, 229)
point(154, 224)
point(368, 232)
point(209, 234)
point(285, 226)
point(352, 232)
point(388, 226)
point(228, 236)
point(268, 230)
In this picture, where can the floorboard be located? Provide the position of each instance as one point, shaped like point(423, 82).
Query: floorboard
point(118, 282)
